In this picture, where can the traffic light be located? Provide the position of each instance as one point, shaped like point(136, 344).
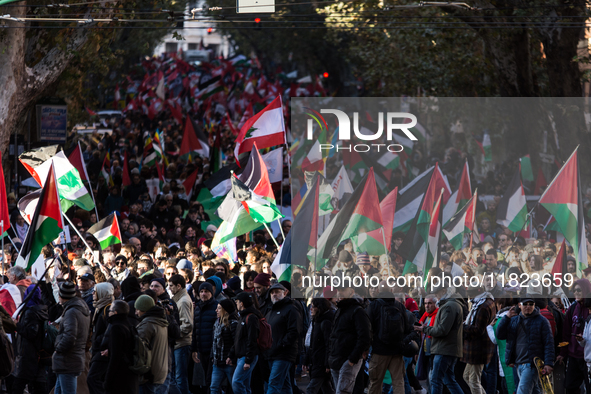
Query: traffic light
point(325, 75)
point(257, 23)
point(209, 30)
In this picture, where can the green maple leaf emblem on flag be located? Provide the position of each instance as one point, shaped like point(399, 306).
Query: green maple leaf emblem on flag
point(249, 132)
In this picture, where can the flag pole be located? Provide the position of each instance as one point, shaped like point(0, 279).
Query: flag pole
point(77, 232)
point(3, 252)
point(12, 243)
point(281, 228)
point(89, 184)
point(270, 233)
point(386, 248)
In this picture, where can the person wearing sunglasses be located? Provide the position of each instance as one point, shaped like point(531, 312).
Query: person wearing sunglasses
point(574, 325)
point(528, 335)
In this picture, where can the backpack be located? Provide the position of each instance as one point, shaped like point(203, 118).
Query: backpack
point(47, 344)
point(6, 356)
point(392, 324)
point(142, 356)
point(265, 339)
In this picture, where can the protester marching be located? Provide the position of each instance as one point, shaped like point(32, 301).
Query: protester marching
point(203, 246)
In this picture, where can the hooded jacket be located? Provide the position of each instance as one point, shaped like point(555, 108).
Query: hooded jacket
point(448, 329)
point(204, 319)
point(540, 342)
point(153, 329)
point(286, 324)
point(28, 342)
point(186, 315)
point(247, 334)
point(69, 356)
point(351, 333)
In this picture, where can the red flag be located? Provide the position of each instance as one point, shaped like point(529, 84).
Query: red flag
point(540, 182)
point(77, 161)
point(190, 141)
point(231, 125)
point(90, 112)
point(190, 182)
point(559, 268)
point(4, 216)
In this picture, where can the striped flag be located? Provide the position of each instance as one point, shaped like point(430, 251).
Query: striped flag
point(107, 231)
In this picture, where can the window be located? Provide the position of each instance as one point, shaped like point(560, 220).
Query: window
point(171, 47)
point(193, 47)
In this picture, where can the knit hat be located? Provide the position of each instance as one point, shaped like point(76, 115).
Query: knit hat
point(67, 290)
point(217, 282)
point(234, 283)
point(228, 305)
point(184, 264)
point(206, 286)
point(263, 279)
point(362, 259)
point(344, 256)
point(159, 280)
point(245, 298)
point(329, 293)
point(144, 302)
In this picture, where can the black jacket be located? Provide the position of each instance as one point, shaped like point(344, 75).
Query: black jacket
point(29, 341)
point(317, 356)
point(222, 347)
point(286, 324)
point(203, 321)
point(351, 333)
point(265, 302)
point(375, 314)
point(247, 334)
point(98, 331)
point(120, 342)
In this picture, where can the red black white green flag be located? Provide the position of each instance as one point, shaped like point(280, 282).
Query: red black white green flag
point(107, 231)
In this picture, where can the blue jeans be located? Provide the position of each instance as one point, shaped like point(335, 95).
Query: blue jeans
point(65, 383)
point(279, 381)
point(528, 378)
point(181, 365)
point(443, 374)
point(407, 361)
point(241, 378)
point(217, 377)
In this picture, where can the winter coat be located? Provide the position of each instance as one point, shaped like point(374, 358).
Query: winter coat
point(98, 331)
point(132, 317)
point(153, 329)
point(247, 334)
point(265, 302)
point(223, 344)
point(478, 348)
point(317, 356)
point(448, 328)
point(286, 324)
point(540, 342)
point(351, 333)
point(205, 317)
point(70, 353)
point(186, 315)
point(118, 378)
point(29, 341)
point(375, 314)
point(574, 323)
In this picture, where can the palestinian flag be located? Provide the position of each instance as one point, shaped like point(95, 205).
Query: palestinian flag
point(304, 229)
point(527, 174)
point(460, 196)
point(189, 183)
point(107, 231)
point(541, 182)
point(551, 225)
point(106, 170)
point(70, 186)
point(219, 182)
point(281, 266)
point(261, 210)
point(209, 88)
point(76, 159)
point(194, 141)
point(461, 223)
point(150, 155)
point(390, 161)
point(361, 214)
point(559, 268)
point(266, 129)
point(354, 164)
point(563, 200)
point(314, 160)
point(512, 209)
point(411, 196)
point(377, 242)
point(421, 246)
point(237, 220)
point(46, 225)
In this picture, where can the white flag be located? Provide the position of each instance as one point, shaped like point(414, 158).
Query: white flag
point(274, 162)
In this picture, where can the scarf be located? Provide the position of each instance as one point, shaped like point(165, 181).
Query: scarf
point(120, 276)
point(429, 316)
point(476, 302)
point(218, 342)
